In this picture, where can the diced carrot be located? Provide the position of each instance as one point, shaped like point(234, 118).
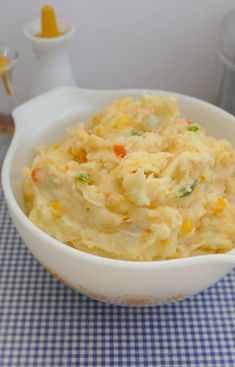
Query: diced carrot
point(78, 155)
point(35, 174)
point(120, 150)
point(82, 156)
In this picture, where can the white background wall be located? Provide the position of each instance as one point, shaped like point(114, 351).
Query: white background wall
point(164, 44)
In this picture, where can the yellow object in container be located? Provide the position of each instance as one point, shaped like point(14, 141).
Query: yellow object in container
point(4, 66)
point(49, 23)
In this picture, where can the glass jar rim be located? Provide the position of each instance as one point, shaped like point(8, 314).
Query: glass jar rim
point(9, 52)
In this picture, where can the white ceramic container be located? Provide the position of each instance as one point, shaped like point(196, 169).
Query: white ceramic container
point(43, 120)
point(52, 67)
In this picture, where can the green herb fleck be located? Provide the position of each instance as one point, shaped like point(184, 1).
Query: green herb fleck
point(82, 177)
point(135, 132)
point(187, 190)
point(192, 128)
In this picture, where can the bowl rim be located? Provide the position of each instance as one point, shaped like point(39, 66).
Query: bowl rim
point(26, 223)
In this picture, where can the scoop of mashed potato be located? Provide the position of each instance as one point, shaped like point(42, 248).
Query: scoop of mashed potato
point(137, 182)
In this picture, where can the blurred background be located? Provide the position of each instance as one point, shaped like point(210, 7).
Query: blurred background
point(166, 44)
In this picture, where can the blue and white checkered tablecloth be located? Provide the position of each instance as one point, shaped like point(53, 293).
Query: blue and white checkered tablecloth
point(44, 323)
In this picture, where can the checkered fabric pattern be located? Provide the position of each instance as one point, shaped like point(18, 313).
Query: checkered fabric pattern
point(44, 323)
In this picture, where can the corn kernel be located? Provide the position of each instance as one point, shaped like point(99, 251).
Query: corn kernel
point(99, 131)
point(220, 205)
point(120, 122)
point(187, 226)
point(95, 119)
point(164, 241)
point(56, 208)
point(56, 215)
point(202, 179)
point(28, 196)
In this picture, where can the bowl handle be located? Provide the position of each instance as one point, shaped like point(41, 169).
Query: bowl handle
point(226, 258)
point(56, 104)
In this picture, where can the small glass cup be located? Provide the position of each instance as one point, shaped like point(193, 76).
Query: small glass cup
point(8, 58)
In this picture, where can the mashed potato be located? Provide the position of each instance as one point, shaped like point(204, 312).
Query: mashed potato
point(138, 182)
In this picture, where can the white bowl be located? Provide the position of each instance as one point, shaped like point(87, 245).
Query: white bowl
point(43, 120)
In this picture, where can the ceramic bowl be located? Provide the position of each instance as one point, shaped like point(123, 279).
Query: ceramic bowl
point(44, 120)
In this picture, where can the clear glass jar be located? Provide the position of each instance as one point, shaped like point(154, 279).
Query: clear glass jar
point(8, 57)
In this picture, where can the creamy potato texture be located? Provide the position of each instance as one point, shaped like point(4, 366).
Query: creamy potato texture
point(137, 182)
